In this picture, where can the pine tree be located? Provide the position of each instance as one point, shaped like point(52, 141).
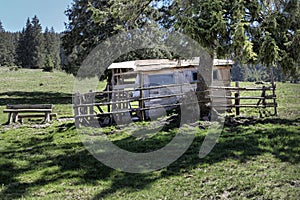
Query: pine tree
point(24, 49)
point(52, 49)
point(55, 37)
point(30, 46)
point(37, 44)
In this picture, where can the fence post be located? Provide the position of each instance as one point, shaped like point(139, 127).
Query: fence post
point(141, 102)
point(274, 98)
point(108, 98)
point(263, 95)
point(91, 101)
point(77, 109)
point(237, 100)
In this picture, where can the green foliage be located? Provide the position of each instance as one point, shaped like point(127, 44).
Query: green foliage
point(93, 22)
point(37, 44)
point(51, 50)
point(269, 51)
point(49, 64)
point(30, 48)
point(82, 33)
point(7, 47)
point(8, 43)
point(242, 46)
point(279, 46)
point(265, 32)
point(204, 22)
point(30, 45)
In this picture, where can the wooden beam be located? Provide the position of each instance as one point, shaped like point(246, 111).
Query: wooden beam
point(26, 110)
point(25, 106)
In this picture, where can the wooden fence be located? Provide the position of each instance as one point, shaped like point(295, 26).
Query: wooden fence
point(263, 101)
point(120, 105)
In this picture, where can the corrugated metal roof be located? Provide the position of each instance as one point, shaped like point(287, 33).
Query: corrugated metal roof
point(158, 64)
point(223, 62)
point(123, 65)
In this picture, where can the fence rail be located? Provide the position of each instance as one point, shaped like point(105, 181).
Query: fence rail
point(119, 103)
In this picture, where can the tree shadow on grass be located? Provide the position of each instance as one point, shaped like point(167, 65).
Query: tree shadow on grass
point(236, 145)
point(66, 127)
point(241, 142)
point(17, 97)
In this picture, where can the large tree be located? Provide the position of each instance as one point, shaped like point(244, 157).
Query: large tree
point(51, 50)
point(30, 46)
point(23, 51)
point(38, 58)
point(279, 33)
point(82, 33)
point(92, 22)
point(248, 31)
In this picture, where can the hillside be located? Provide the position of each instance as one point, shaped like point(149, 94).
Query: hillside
point(255, 158)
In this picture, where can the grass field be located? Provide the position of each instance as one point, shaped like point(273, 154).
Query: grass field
point(255, 158)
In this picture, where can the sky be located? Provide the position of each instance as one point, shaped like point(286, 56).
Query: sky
point(14, 13)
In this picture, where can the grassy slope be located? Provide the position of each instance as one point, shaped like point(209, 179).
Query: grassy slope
point(255, 159)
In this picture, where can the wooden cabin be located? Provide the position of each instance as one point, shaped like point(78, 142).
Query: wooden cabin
point(133, 74)
point(163, 78)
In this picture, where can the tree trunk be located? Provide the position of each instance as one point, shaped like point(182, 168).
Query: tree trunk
point(205, 70)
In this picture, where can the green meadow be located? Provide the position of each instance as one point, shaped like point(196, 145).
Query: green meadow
point(254, 158)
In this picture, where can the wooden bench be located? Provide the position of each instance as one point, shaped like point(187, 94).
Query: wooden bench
point(32, 111)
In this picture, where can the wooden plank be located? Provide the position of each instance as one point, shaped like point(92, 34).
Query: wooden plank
point(129, 100)
point(124, 86)
point(162, 97)
point(29, 106)
point(101, 114)
point(238, 88)
point(243, 106)
point(126, 73)
point(244, 97)
point(37, 115)
point(26, 110)
point(171, 105)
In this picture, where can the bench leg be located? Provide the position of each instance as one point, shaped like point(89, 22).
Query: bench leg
point(10, 118)
point(47, 117)
point(15, 117)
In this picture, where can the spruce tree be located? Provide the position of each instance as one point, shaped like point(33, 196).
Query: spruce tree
point(24, 49)
point(38, 57)
point(30, 46)
point(55, 38)
point(52, 50)
point(247, 31)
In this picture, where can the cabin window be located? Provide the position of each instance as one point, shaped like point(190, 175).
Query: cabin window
point(215, 75)
point(161, 79)
point(194, 76)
